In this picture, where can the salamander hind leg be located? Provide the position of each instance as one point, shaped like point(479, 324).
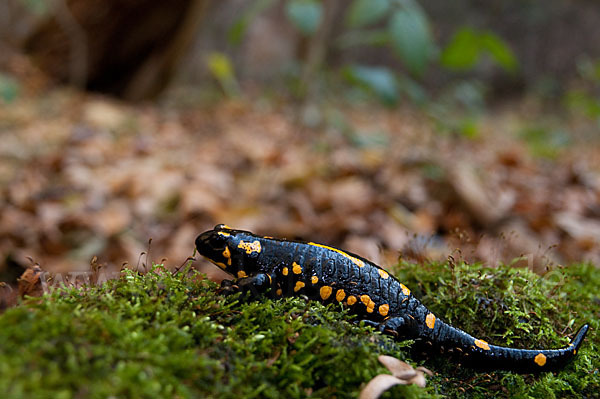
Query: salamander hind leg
point(395, 326)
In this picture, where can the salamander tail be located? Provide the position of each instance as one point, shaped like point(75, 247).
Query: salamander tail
point(479, 353)
point(578, 340)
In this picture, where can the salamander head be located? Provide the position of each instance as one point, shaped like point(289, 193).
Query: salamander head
point(234, 251)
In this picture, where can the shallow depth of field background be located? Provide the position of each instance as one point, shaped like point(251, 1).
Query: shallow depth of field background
point(392, 128)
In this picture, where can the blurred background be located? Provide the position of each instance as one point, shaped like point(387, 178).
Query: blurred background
point(426, 130)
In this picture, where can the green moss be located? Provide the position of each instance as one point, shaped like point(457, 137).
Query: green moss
point(514, 307)
point(160, 335)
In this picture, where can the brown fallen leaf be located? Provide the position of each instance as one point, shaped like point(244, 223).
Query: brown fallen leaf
point(402, 374)
point(30, 282)
point(378, 385)
point(578, 227)
point(404, 371)
point(8, 297)
point(471, 190)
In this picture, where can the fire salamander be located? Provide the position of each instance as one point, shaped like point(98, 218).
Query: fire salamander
point(326, 274)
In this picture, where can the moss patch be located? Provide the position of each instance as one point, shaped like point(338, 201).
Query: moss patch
point(513, 307)
point(160, 335)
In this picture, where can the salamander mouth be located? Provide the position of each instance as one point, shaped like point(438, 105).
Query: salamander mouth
point(209, 243)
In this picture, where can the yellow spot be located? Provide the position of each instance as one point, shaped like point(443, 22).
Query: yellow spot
point(482, 344)
point(365, 299)
point(574, 351)
point(384, 309)
point(267, 237)
point(296, 268)
point(540, 359)
point(250, 246)
point(383, 274)
point(224, 226)
point(227, 255)
point(299, 285)
point(279, 292)
point(368, 303)
point(220, 264)
point(242, 274)
point(284, 271)
point(351, 300)
point(223, 234)
point(340, 295)
point(314, 279)
point(430, 321)
point(356, 261)
point(325, 292)
point(405, 289)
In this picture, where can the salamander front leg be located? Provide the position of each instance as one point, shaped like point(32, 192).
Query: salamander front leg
point(250, 287)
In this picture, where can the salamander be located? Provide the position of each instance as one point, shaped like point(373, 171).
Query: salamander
point(326, 274)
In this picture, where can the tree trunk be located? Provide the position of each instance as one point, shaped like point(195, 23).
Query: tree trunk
point(128, 48)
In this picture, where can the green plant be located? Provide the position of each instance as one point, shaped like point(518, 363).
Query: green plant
point(545, 142)
point(586, 98)
point(173, 335)
point(9, 88)
point(468, 46)
point(221, 69)
point(400, 25)
point(305, 15)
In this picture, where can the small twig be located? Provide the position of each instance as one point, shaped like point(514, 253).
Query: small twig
point(189, 259)
point(137, 267)
point(147, 255)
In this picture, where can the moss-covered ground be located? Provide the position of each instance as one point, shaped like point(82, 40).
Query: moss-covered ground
point(161, 335)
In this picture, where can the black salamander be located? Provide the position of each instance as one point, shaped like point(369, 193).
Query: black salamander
point(326, 274)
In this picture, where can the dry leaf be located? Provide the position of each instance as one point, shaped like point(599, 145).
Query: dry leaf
point(402, 374)
point(378, 385)
point(403, 371)
point(100, 177)
point(471, 191)
point(30, 282)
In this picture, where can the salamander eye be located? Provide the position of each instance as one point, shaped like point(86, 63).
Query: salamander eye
point(222, 227)
point(210, 242)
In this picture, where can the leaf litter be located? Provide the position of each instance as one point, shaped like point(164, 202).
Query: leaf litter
point(84, 176)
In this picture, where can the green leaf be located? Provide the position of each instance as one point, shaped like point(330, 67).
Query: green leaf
point(499, 51)
point(579, 100)
point(365, 12)
point(468, 45)
point(411, 38)
point(221, 69)
point(380, 80)
point(9, 88)
point(305, 15)
point(463, 51)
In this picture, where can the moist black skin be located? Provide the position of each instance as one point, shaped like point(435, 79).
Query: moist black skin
point(277, 267)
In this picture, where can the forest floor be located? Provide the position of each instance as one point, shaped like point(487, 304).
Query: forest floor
point(173, 335)
point(83, 176)
point(89, 180)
